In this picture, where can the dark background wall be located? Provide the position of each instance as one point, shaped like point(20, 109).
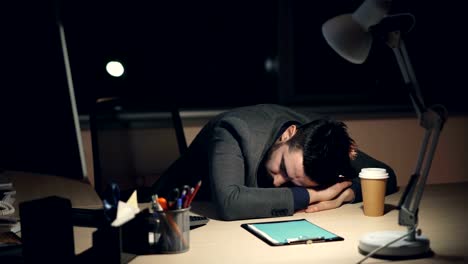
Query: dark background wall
point(212, 54)
point(204, 54)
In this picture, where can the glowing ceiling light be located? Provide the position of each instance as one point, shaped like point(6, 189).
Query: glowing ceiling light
point(115, 68)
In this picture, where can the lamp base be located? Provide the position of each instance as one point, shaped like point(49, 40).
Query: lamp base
point(402, 249)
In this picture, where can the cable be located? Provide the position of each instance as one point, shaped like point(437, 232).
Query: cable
point(370, 254)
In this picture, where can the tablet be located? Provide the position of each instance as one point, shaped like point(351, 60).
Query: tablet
point(290, 232)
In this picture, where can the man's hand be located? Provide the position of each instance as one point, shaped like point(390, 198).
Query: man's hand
point(330, 198)
point(346, 196)
point(327, 194)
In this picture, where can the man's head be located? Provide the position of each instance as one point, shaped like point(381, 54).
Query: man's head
point(313, 154)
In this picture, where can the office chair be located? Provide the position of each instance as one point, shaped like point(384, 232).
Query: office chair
point(132, 146)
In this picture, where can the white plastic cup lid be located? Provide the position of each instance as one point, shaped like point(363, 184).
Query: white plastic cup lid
point(373, 169)
point(373, 173)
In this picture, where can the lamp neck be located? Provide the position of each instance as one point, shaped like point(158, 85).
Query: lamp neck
point(395, 41)
point(370, 12)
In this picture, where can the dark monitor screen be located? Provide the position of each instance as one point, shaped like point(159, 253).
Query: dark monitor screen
point(130, 150)
point(40, 131)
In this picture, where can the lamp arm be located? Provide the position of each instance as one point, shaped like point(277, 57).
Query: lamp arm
point(411, 198)
point(397, 44)
point(432, 120)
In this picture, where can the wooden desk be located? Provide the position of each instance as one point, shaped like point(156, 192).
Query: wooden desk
point(443, 218)
point(31, 186)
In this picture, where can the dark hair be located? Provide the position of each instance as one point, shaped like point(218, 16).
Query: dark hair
point(325, 144)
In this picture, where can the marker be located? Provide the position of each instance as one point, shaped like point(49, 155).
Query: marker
point(172, 199)
point(175, 194)
point(301, 240)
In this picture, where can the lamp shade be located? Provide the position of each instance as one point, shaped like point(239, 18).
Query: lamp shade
point(347, 38)
point(349, 34)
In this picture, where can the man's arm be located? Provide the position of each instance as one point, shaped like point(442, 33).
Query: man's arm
point(327, 194)
point(338, 194)
point(344, 197)
point(330, 198)
point(363, 160)
point(234, 196)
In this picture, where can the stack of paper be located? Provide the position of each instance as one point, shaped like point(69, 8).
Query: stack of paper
point(5, 183)
point(9, 224)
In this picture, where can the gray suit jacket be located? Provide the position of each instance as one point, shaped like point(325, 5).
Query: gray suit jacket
point(226, 155)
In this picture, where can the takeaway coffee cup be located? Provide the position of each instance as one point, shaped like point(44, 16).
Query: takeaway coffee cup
point(373, 184)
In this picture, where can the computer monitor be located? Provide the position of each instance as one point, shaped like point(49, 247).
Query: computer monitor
point(129, 148)
point(40, 131)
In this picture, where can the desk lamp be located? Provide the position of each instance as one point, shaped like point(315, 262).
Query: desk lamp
point(351, 36)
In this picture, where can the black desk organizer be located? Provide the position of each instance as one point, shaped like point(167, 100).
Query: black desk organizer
point(119, 244)
point(47, 234)
point(47, 230)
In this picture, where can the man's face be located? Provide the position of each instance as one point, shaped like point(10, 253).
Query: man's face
point(285, 166)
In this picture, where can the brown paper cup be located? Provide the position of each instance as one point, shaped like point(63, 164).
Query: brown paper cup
point(373, 185)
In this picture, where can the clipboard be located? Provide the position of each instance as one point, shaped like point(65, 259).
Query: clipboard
point(290, 232)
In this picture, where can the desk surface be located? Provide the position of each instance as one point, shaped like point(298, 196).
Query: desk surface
point(442, 219)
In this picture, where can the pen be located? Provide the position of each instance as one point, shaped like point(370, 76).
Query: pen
point(181, 199)
point(301, 240)
point(163, 203)
point(179, 203)
point(172, 199)
point(187, 197)
point(186, 188)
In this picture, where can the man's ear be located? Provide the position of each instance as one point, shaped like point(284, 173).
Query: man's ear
point(353, 153)
point(288, 133)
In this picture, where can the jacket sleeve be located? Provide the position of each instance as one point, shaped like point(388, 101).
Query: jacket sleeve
point(365, 161)
point(233, 196)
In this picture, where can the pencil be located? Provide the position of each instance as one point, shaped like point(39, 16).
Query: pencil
point(197, 187)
